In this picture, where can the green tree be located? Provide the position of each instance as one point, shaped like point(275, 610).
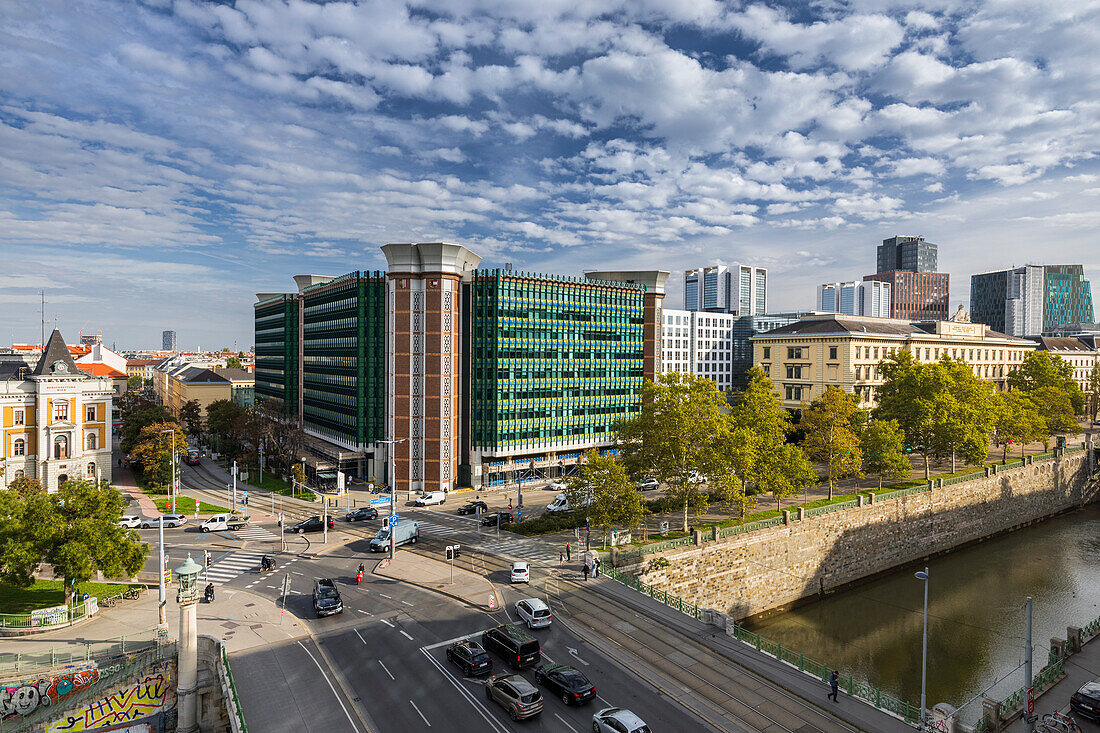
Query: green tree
point(133, 425)
point(1094, 391)
point(883, 446)
point(963, 412)
point(75, 531)
point(1042, 369)
point(906, 396)
point(299, 473)
point(154, 451)
point(738, 451)
point(233, 362)
point(673, 436)
point(134, 381)
point(191, 417)
point(832, 425)
point(612, 500)
point(1015, 420)
point(1055, 407)
point(784, 471)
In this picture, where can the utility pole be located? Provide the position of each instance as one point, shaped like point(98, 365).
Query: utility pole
point(1028, 682)
point(261, 461)
point(234, 472)
point(162, 596)
point(393, 489)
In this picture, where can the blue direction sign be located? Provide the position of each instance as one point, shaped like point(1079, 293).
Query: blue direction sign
point(377, 501)
point(393, 520)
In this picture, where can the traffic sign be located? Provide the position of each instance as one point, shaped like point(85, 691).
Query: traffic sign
point(1030, 700)
point(492, 601)
point(379, 501)
point(393, 520)
point(286, 584)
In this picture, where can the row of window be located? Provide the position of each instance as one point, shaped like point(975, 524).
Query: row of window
point(60, 413)
point(60, 445)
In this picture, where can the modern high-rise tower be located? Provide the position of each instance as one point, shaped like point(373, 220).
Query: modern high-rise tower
point(909, 253)
point(738, 289)
point(168, 340)
point(1028, 300)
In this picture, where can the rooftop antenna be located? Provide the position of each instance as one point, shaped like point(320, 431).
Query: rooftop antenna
point(43, 312)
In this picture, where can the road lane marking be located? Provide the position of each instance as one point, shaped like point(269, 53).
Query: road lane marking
point(386, 668)
point(360, 636)
point(295, 572)
point(366, 612)
point(385, 596)
point(464, 637)
point(406, 603)
point(565, 723)
point(354, 727)
point(387, 623)
point(421, 714)
point(495, 724)
point(406, 635)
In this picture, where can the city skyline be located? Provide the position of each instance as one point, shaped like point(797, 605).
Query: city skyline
point(167, 162)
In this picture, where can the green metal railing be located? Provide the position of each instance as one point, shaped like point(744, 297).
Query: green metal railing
point(750, 527)
point(1090, 630)
point(964, 477)
point(830, 508)
point(237, 712)
point(855, 687)
point(75, 652)
point(55, 618)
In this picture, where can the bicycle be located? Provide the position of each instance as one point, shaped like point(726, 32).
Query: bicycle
point(132, 593)
point(1057, 723)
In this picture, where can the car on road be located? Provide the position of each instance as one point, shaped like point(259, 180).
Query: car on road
point(618, 720)
point(473, 507)
point(534, 612)
point(130, 521)
point(648, 484)
point(515, 694)
point(521, 572)
point(313, 524)
point(514, 645)
point(170, 520)
point(567, 683)
point(491, 519)
point(326, 598)
point(1086, 701)
point(556, 486)
point(470, 657)
point(429, 498)
point(362, 513)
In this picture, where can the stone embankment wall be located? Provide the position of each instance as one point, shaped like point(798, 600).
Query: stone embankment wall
point(778, 566)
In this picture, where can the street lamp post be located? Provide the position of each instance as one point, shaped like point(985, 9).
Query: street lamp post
point(923, 575)
point(393, 489)
point(162, 594)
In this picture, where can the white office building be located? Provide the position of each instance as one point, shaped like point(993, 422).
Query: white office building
point(699, 343)
point(741, 290)
point(864, 298)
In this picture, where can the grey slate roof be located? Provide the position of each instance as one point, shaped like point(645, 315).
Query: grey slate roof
point(56, 351)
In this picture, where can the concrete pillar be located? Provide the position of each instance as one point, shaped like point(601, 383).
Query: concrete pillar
point(870, 497)
point(991, 711)
point(786, 516)
point(859, 500)
point(714, 533)
point(697, 536)
point(188, 670)
point(1058, 648)
point(1073, 639)
point(800, 513)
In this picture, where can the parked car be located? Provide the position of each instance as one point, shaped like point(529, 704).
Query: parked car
point(533, 612)
point(428, 498)
point(514, 645)
point(492, 519)
point(326, 598)
point(556, 486)
point(362, 513)
point(567, 683)
point(648, 484)
point(220, 522)
point(521, 572)
point(519, 697)
point(618, 720)
point(405, 532)
point(471, 658)
point(1086, 701)
point(473, 507)
point(313, 524)
point(170, 520)
point(130, 521)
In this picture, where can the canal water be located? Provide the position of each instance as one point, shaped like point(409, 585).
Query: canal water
point(975, 608)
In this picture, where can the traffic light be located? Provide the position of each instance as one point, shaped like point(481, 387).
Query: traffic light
point(452, 552)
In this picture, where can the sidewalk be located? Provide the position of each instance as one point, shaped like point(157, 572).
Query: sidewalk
point(1080, 668)
point(240, 618)
point(434, 575)
point(123, 480)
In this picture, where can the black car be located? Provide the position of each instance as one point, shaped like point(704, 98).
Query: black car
point(491, 519)
point(1086, 701)
point(566, 682)
point(313, 524)
point(363, 512)
point(471, 657)
point(473, 507)
point(517, 647)
point(326, 598)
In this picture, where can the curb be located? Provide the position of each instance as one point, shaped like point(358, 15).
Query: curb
point(440, 591)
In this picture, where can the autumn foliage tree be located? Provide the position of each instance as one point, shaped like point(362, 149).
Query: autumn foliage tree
point(832, 425)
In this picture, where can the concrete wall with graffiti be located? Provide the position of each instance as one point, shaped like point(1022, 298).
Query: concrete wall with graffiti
point(138, 701)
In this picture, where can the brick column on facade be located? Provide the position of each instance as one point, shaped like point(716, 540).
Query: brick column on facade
point(423, 349)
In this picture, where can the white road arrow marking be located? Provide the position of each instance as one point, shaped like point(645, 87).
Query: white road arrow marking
point(573, 653)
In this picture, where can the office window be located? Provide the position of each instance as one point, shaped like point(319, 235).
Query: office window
point(794, 372)
point(19, 447)
point(794, 352)
point(833, 352)
point(89, 413)
point(90, 442)
point(18, 414)
point(91, 470)
point(60, 410)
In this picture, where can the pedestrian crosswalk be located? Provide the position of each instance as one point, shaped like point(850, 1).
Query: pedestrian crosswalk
point(254, 532)
point(518, 548)
point(446, 531)
point(535, 553)
point(224, 570)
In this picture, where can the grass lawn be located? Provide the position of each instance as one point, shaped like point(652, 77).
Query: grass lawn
point(47, 593)
point(186, 505)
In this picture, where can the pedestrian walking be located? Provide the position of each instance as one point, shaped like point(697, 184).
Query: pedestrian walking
point(586, 570)
point(561, 559)
point(596, 568)
point(567, 558)
point(834, 685)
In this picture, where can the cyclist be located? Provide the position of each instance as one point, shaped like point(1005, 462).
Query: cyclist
point(359, 575)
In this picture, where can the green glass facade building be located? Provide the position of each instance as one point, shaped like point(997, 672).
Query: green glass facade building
point(276, 343)
point(343, 359)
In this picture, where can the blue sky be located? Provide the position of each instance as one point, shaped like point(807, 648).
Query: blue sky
point(162, 162)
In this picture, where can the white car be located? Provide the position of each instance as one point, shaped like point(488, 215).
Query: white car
point(618, 720)
point(130, 521)
point(648, 484)
point(556, 486)
point(429, 498)
point(533, 612)
point(170, 520)
point(521, 572)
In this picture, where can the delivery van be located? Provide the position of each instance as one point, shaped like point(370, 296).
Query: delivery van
point(405, 532)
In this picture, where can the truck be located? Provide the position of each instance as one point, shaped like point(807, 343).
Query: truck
point(221, 522)
point(404, 532)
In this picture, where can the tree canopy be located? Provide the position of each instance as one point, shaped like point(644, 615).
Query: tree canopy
point(1015, 420)
point(883, 446)
point(191, 417)
point(154, 450)
point(832, 425)
point(605, 494)
point(1043, 369)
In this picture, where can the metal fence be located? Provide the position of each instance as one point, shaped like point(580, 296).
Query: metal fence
point(48, 617)
point(960, 479)
point(655, 593)
point(750, 527)
point(830, 508)
point(233, 704)
point(74, 652)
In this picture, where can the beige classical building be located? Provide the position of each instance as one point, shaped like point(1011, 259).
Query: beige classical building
point(1079, 353)
point(204, 386)
point(828, 350)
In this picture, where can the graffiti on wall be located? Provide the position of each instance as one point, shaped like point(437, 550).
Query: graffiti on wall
point(26, 697)
point(148, 697)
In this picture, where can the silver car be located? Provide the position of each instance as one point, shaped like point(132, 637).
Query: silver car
point(519, 697)
point(170, 520)
point(618, 720)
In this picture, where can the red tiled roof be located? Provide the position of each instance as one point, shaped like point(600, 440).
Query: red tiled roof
point(98, 369)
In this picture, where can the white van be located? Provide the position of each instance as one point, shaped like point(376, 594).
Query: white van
point(404, 532)
point(559, 504)
point(220, 522)
point(429, 498)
